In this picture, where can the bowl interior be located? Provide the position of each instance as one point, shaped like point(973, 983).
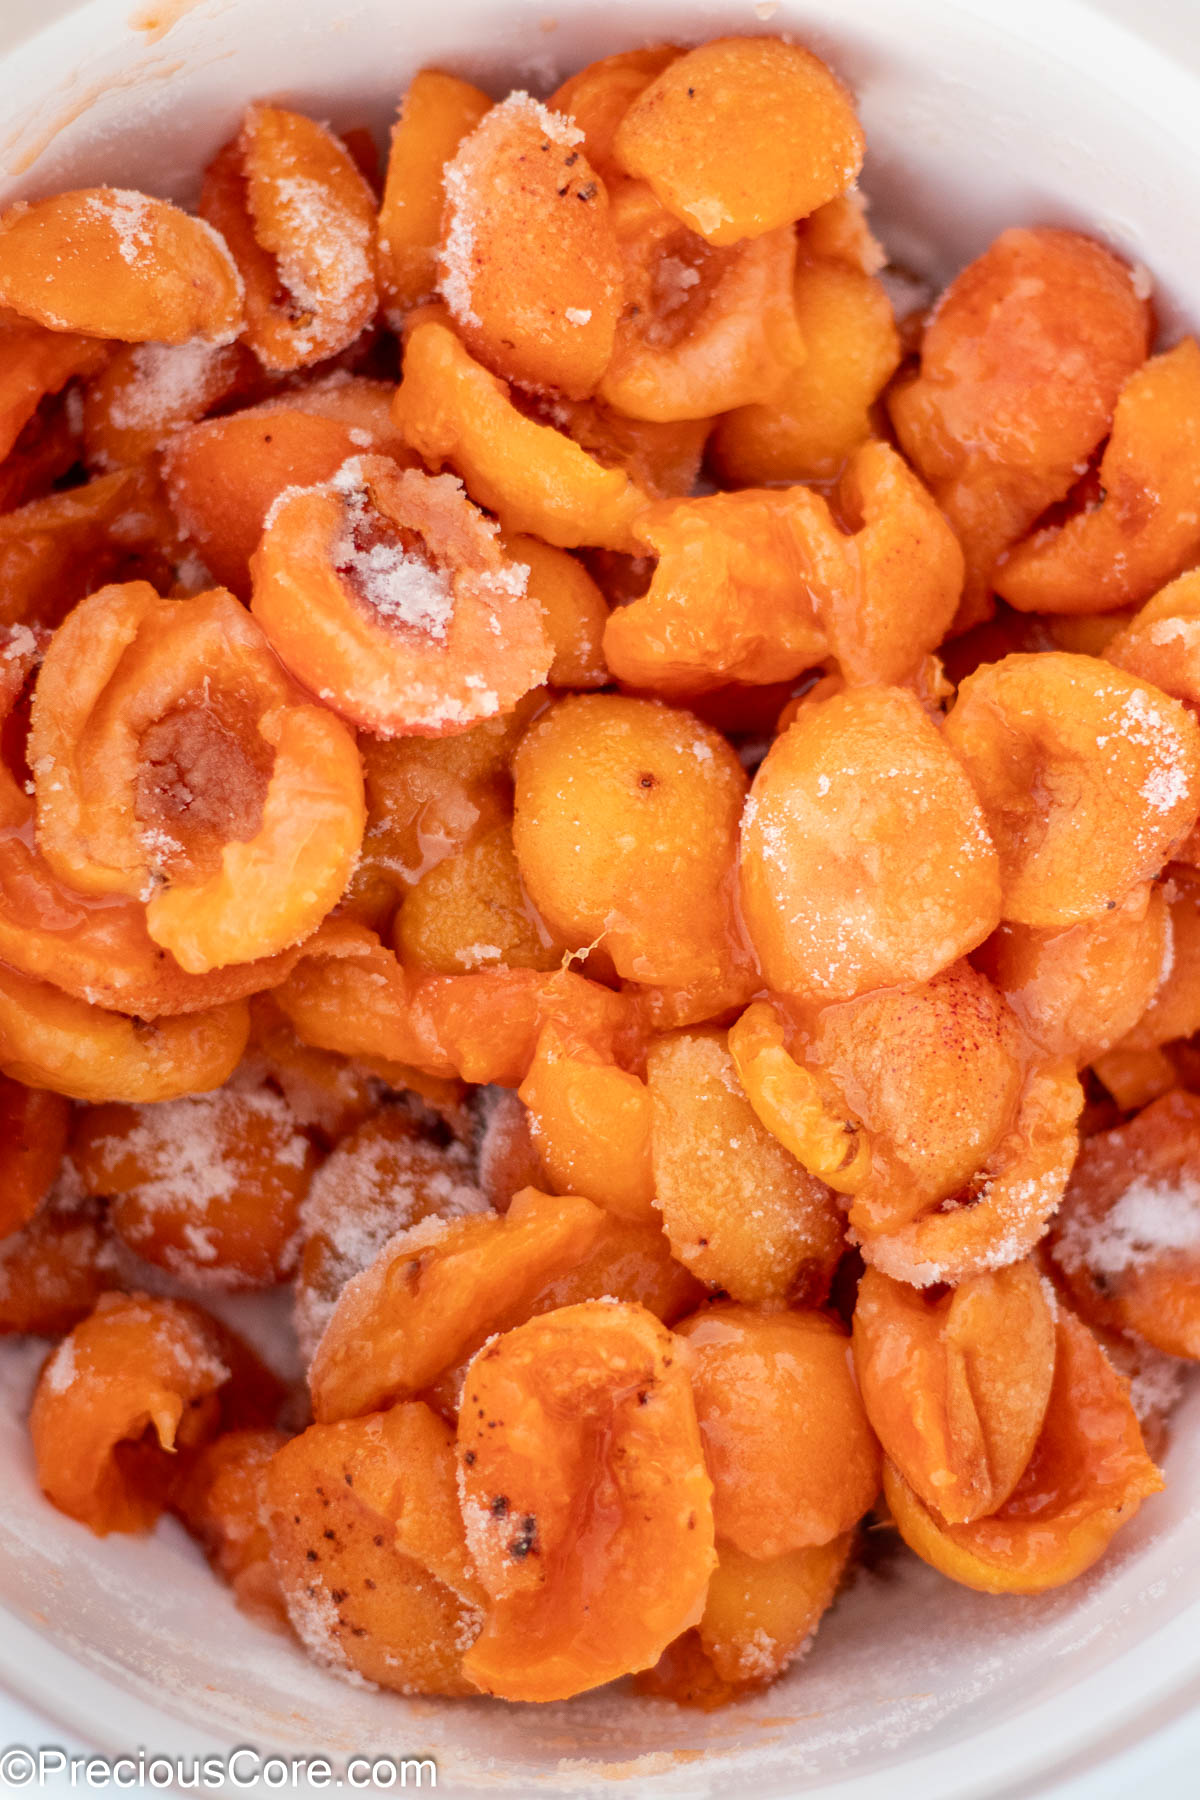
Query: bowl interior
point(979, 115)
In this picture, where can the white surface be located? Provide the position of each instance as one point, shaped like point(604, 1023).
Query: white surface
point(978, 114)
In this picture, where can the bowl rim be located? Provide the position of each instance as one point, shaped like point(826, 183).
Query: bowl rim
point(1114, 1714)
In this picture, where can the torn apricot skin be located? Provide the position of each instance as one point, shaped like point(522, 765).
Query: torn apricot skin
point(113, 263)
point(956, 1382)
point(299, 220)
point(386, 592)
point(133, 1383)
point(600, 1550)
point(1124, 1239)
point(1087, 1477)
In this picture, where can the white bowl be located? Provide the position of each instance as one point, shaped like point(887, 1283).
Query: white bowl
point(979, 114)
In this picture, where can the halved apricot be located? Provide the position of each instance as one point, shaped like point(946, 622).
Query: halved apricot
point(793, 1459)
point(207, 1187)
point(437, 112)
point(1079, 990)
point(118, 264)
point(55, 1268)
point(56, 550)
point(796, 1104)
point(367, 1546)
point(822, 412)
point(1088, 1475)
point(761, 585)
point(387, 1175)
point(175, 763)
point(865, 858)
point(528, 258)
point(50, 1040)
point(597, 97)
point(1161, 643)
point(741, 1213)
point(931, 1075)
point(224, 475)
point(956, 1384)
point(702, 329)
point(585, 1498)
point(536, 479)
point(742, 135)
point(1003, 1211)
point(436, 1292)
point(1088, 777)
point(737, 592)
point(627, 812)
point(589, 1122)
point(299, 220)
point(132, 1383)
point(146, 391)
point(386, 593)
point(1144, 529)
point(759, 1615)
point(1021, 368)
